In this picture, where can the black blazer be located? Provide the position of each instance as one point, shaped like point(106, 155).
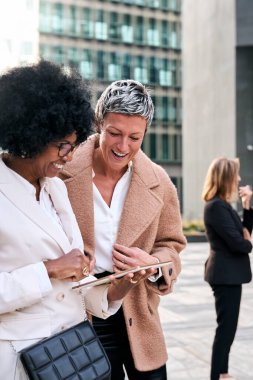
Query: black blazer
point(228, 262)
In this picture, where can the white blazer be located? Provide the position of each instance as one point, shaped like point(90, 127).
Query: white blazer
point(29, 236)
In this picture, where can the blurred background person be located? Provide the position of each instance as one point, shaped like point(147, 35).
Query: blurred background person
point(128, 211)
point(45, 114)
point(228, 265)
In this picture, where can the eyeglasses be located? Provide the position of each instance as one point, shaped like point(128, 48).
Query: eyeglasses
point(65, 148)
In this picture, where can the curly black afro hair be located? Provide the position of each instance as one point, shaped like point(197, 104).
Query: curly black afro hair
point(42, 103)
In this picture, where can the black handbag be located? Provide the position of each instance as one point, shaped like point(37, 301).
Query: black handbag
point(73, 354)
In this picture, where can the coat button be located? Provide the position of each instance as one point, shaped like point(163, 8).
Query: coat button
point(60, 297)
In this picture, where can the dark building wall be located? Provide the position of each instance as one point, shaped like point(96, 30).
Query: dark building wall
point(244, 87)
point(244, 111)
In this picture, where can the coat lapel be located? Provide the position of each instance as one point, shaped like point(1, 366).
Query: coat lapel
point(23, 201)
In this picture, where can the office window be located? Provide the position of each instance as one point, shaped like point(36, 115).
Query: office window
point(177, 147)
point(139, 31)
point(140, 3)
point(45, 52)
point(165, 109)
point(85, 65)
point(58, 55)
point(175, 5)
point(153, 3)
point(101, 27)
point(100, 65)
point(152, 142)
point(164, 4)
point(73, 58)
point(159, 109)
point(87, 23)
point(45, 17)
point(165, 34)
point(153, 70)
point(57, 25)
point(127, 29)
point(73, 20)
point(114, 27)
point(165, 76)
point(140, 70)
point(172, 109)
point(165, 146)
point(126, 66)
point(114, 68)
point(173, 35)
point(152, 33)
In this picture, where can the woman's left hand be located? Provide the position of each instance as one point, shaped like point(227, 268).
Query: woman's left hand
point(126, 258)
point(121, 286)
point(245, 193)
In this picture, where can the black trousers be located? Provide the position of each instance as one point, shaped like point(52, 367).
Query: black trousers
point(227, 306)
point(113, 335)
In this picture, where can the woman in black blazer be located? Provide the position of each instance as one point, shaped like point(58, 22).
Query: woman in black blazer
point(228, 264)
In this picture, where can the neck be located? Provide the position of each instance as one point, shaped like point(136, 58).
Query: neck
point(21, 166)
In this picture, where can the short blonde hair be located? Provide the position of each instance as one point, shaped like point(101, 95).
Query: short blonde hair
point(221, 178)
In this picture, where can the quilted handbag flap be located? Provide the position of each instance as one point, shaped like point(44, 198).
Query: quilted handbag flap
point(73, 354)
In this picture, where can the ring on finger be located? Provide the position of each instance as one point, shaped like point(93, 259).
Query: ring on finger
point(86, 271)
point(133, 281)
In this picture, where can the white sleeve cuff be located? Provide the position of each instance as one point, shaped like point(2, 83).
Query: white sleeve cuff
point(112, 307)
point(155, 277)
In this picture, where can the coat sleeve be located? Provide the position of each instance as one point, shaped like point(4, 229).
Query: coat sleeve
point(218, 217)
point(170, 240)
point(248, 219)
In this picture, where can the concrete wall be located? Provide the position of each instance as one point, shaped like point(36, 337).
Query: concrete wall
point(208, 93)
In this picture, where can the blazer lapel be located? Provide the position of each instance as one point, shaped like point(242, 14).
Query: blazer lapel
point(23, 201)
point(78, 178)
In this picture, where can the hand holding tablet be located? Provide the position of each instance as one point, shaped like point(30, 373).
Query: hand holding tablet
point(107, 279)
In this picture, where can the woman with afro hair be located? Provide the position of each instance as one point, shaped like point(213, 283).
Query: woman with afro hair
point(45, 112)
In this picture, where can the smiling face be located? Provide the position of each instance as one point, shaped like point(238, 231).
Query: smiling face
point(120, 139)
point(49, 163)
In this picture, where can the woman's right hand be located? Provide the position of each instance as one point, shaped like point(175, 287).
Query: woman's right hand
point(73, 266)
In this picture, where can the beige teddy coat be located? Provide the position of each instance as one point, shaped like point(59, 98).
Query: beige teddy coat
point(151, 221)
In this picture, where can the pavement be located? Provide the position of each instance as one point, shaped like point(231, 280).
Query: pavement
point(188, 319)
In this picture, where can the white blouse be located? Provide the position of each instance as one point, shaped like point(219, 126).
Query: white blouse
point(106, 221)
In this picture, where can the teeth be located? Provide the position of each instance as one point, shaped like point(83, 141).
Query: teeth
point(58, 166)
point(119, 154)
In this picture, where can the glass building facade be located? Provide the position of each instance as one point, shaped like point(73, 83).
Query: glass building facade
point(122, 39)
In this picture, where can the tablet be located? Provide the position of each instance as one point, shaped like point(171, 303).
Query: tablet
point(106, 279)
